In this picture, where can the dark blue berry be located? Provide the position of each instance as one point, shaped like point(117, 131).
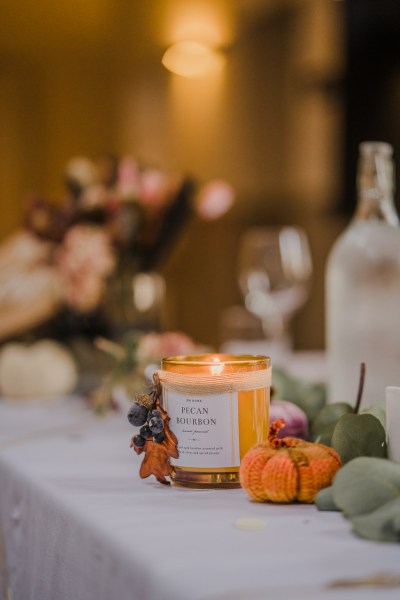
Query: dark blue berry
point(159, 437)
point(137, 415)
point(139, 441)
point(145, 432)
point(156, 425)
point(155, 413)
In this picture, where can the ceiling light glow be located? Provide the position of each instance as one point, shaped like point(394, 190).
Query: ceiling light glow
point(192, 59)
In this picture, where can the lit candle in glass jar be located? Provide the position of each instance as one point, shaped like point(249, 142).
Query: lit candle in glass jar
point(218, 405)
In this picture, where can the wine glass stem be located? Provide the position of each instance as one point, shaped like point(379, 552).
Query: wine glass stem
point(277, 329)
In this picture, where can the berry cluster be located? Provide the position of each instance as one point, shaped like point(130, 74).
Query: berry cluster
point(150, 422)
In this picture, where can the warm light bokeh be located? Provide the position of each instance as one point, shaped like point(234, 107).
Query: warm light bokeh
point(208, 22)
point(192, 59)
point(83, 80)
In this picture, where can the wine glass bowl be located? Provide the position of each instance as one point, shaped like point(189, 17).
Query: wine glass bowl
point(275, 269)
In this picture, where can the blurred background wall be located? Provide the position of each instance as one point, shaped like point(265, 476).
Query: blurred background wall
point(84, 78)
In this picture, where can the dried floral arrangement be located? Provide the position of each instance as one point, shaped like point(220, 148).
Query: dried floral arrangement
point(62, 271)
point(115, 211)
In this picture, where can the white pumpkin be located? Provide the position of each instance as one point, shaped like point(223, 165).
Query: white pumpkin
point(42, 369)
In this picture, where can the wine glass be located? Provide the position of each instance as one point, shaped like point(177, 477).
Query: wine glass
point(275, 269)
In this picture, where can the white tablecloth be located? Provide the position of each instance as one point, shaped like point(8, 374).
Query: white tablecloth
point(78, 524)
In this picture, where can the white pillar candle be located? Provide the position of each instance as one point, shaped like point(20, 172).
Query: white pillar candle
point(393, 422)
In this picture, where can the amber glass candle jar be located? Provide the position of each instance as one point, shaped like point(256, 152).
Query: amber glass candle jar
point(218, 405)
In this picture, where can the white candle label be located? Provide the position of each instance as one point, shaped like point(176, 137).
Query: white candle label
point(207, 428)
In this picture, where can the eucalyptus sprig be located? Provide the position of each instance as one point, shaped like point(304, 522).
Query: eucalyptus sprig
point(326, 420)
point(367, 491)
point(350, 432)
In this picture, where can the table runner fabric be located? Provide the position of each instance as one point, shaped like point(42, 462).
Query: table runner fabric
point(78, 523)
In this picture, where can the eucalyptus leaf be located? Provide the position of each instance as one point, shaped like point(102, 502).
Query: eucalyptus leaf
point(325, 435)
point(365, 484)
point(376, 411)
point(328, 416)
point(359, 435)
point(383, 524)
point(324, 500)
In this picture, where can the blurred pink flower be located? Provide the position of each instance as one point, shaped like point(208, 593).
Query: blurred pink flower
point(128, 178)
point(154, 188)
point(214, 199)
point(150, 187)
point(84, 261)
point(139, 211)
point(154, 346)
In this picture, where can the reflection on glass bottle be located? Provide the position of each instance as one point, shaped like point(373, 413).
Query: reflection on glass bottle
point(363, 286)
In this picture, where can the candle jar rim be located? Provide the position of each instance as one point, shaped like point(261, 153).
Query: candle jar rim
point(206, 360)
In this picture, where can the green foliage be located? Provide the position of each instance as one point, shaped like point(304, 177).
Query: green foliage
point(310, 397)
point(283, 384)
point(335, 425)
point(327, 418)
point(324, 499)
point(364, 484)
point(325, 436)
point(125, 363)
point(367, 490)
point(359, 435)
point(376, 410)
point(382, 525)
point(128, 359)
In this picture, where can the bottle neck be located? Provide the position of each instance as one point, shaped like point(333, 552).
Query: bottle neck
point(376, 209)
point(375, 183)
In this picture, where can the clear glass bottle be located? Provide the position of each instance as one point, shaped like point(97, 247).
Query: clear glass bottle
point(363, 287)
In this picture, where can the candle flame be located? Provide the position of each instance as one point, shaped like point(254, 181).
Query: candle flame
point(218, 367)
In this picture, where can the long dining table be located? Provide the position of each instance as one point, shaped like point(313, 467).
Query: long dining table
point(77, 522)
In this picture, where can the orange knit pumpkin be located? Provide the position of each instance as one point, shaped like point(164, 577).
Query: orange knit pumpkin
point(287, 469)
